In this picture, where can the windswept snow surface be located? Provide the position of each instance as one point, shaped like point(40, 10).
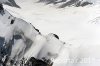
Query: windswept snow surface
point(77, 27)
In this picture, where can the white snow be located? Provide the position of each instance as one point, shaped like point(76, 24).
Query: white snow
point(76, 26)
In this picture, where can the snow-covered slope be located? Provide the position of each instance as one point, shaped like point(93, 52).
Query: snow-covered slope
point(20, 39)
point(77, 26)
point(17, 36)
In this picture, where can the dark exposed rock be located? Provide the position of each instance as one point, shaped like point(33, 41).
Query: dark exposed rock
point(65, 3)
point(2, 39)
point(12, 3)
point(1, 9)
point(37, 30)
point(69, 3)
point(12, 21)
point(56, 36)
point(36, 62)
point(85, 3)
point(17, 37)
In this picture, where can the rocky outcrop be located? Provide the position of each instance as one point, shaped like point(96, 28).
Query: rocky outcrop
point(65, 3)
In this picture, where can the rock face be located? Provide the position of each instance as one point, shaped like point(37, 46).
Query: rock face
point(36, 62)
point(65, 3)
point(9, 2)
